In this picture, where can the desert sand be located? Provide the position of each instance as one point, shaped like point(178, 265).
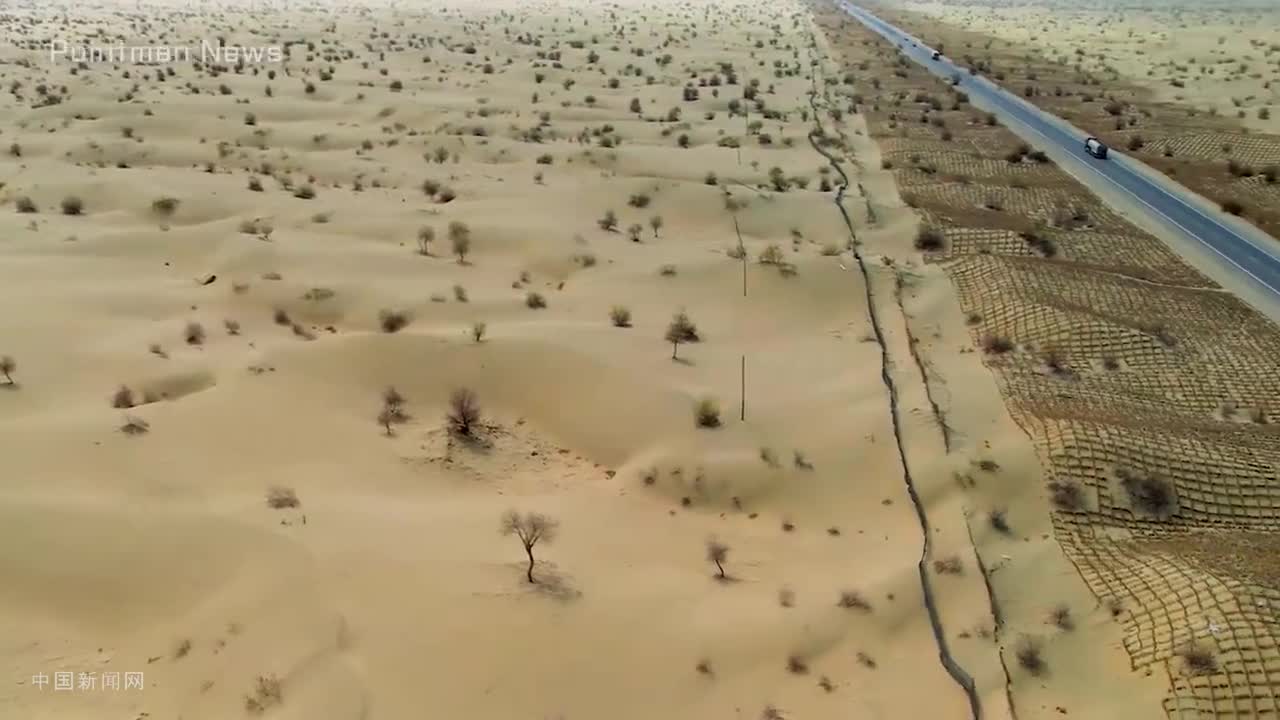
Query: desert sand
point(248, 328)
point(242, 300)
point(1222, 57)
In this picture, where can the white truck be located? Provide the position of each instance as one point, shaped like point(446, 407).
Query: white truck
point(1096, 148)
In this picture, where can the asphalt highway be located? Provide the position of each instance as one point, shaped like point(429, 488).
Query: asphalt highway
point(1239, 247)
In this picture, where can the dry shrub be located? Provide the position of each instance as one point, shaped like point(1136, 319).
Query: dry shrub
point(1066, 495)
point(997, 344)
point(267, 693)
point(771, 255)
point(535, 300)
point(853, 600)
point(165, 206)
point(1148, 493)
point(392, 321)
point(279, 498)
point(800, 460)
point(72, 205)
point(477, 331)
point(134, 425)
point(930, 240)
point(1061, 617)
point(999, 521)
point(769, 457)
point(193, 333)
point(949, 566)
point(1198, 659)
point(123, 398)
point(1029, 651)
point(463, 415)
point(707, 413)
point(620, 316)
point(26, 205)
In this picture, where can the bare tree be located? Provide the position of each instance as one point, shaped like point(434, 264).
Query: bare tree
point(460, 239)
point(392, 412)
point(655, 222)
point(531, 528)
point(7, 366)
point(718, 553)
point(464, 412)
point(680, 330)
point(426, 235)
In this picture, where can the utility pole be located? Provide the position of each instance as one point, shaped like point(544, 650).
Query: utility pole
point(742, 250)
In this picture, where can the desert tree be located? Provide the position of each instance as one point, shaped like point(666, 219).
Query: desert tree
point(426, 235)
point(609, 222)
point(8, 366)
point(392, 412)
point(478, 330)
point(634, 231)
point(680, 330)
point(655, 222)
point(530, 528)
point(464, 412)
point(718, 553)
point(460, 239)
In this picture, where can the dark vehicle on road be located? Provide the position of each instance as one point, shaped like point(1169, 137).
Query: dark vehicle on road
point(937, 55)
point(1096, 148)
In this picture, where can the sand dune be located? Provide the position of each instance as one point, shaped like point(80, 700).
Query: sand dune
point(208, 291)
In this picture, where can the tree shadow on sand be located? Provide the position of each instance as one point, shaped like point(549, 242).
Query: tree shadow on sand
point(552, 582)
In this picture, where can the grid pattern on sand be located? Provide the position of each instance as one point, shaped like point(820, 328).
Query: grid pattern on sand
point(1170, 606)
point(1256, 150)
point(1125, 366)
point(1195, 351)
point(1216, 479)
